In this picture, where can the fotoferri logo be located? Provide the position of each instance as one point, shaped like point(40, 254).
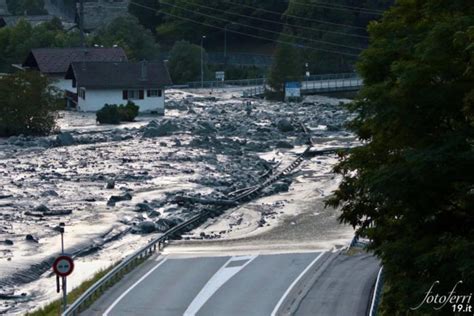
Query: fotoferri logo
point(458, 303)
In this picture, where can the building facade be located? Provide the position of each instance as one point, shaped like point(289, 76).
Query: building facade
point(100, 83)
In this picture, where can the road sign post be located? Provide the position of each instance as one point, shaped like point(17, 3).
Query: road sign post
point(63, 266)
point(292, 91)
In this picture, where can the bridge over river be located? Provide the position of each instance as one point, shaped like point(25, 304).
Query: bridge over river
point(311, 85)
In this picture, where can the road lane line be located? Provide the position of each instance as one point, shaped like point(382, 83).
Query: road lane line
point(282, 299)
point(224, 274)
point(133, 286)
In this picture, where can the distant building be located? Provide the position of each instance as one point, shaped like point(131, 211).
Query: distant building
point(98, 83)
point(3, 8)
point(54, 62)
point(98, 13)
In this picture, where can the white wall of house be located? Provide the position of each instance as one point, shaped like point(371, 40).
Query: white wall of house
point(95, 99)
point(61, 83)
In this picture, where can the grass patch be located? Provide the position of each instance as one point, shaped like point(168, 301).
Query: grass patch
point(54, 308)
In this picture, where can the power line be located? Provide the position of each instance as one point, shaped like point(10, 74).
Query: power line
point(294, 16)
point(276, 22)
point(246, 34)
point(339, 7)
point(261, 29)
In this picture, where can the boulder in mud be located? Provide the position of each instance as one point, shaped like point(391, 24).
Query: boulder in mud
point(155, 129)
point(110, 184)
point(41, 209)
point(163, 224)
point(284, 125)
point(64, 139)
point(284, 144)
point(143, 207)
point(146, 227)
point(30, 238)
point(118, 198)
point(49, 193)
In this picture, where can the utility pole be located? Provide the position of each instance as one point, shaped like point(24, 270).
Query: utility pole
point(81, 22)
point(202, 61)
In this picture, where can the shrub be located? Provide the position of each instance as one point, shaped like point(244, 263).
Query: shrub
point(128, 112)
point(28, 104)
point(109, 114)
point(113, 114)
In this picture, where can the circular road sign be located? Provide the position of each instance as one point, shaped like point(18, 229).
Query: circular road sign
point(63, 266)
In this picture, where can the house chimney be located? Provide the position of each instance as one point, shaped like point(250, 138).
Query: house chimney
point(143, 72)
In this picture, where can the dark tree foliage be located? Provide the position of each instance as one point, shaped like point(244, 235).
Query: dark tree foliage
point(287, 66)
point(175, 28)
point(126, 32)
point(16, 42)
point(109, 114)
point(343, 34)
point(185, 62)
point(146, 11)
point(410, 187)
point(27, 104)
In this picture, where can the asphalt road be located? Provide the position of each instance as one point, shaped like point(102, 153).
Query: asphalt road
point(343, 289)
point(240, 285)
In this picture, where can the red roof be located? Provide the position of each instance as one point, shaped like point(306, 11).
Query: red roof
point(57, 60)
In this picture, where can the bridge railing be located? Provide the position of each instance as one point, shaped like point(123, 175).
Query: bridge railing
point(377, 294)
point(226, 83)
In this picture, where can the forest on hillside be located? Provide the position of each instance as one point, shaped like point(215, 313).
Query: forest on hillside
point(325, 36)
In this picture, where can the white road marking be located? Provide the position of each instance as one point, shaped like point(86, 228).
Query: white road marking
point(223, 275)
point(133, 286)
point(278, 305)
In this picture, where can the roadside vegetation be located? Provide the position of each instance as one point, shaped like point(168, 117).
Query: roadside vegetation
point(28, 104)
point(409, 188)
point(55, 308)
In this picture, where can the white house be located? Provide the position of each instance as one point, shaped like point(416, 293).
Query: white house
point(54, 62)
point(100, 83)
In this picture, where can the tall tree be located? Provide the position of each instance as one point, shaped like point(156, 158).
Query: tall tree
point(287, 66)
point(27, 104)
point(185, 62)
point(126, 32)
point(410, 186)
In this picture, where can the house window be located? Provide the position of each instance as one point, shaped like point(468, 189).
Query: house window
point(155, 93)
point(133, 94)
point(82, 93)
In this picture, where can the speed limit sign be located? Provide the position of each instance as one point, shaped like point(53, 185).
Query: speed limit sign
point(63, 266)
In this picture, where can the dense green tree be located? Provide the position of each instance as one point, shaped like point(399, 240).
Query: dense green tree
point(410, 186)
point(185, 62)
point(126, 32)
point(177, 17)
point(287, 66)
point(336, 36)
point(17, 41)
point(27, 104)
point(28, 7)
point(146, 11)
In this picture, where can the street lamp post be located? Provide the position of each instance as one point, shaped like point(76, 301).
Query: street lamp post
point(202, 61)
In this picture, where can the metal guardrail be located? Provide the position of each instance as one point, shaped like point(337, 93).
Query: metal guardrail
point(226, 83)
point(131, 261)
point(377, 294)
point(253, 92)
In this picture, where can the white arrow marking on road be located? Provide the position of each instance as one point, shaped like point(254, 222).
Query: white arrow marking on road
point(133, 286)
point(223, 275)
point(278, 305)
